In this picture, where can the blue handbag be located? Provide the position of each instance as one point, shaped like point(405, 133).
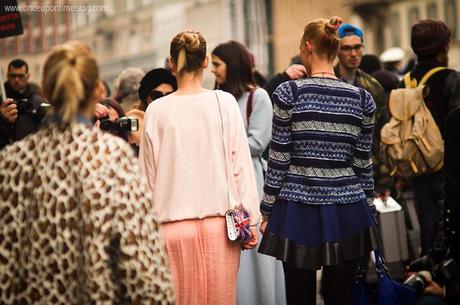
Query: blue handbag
point(390, 291)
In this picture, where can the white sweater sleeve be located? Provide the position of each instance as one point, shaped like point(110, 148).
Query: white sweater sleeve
point(243, 170)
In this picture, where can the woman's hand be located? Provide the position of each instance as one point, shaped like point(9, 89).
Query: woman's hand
point(263, 227)
point(434, 289)
point(251, 243)
point(101, 111)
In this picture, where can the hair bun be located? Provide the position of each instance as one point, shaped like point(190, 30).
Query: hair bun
point(72, 59)
point(190, 41)
point(334, 24)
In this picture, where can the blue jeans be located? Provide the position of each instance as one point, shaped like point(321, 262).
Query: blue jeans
point(429, 201)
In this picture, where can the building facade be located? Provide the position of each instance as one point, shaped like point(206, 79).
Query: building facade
point(289, 20)
point(41, 32)
point(137, 33)
point(387, 23)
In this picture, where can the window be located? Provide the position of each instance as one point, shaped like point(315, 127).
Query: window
point(414, 16)
point(37, 69)
point(395, 26)
point(37, 46)
point(62, 37)
point(109, 41)
point(432, 11)
point(451, 16)
point(80, 19)
point(48, 19)
point(35, 20)
point(134, 44)
point(11, 46)
point(25, 45)
point(50, 41)
point(61, 17)
point(25, 18)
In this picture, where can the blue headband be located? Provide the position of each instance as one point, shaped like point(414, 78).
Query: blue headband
point(349, 29)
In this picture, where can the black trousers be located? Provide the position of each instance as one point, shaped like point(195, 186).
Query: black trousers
point(336, 284)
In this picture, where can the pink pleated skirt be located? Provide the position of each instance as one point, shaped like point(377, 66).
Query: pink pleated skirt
point(204, 263)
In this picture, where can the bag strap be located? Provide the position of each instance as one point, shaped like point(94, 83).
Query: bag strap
point(223, 146)
point(429, 74)
point(250, 105)
point(380, 266)
point(412, 83)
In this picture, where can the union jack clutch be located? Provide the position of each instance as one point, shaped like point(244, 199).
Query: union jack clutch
point(238, 222)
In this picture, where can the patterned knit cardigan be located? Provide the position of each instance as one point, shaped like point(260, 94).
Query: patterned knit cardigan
point(320, 151)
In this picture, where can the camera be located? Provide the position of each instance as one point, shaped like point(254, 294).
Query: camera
point(123, 124)
point(418, 281)
point(26, 107)
point(442, 273)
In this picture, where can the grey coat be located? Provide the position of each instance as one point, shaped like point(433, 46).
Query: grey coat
point(258, 129)
point(260, 277)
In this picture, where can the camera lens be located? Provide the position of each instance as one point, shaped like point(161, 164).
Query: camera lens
point(417, 282)
point(106, 124)
point(25, 107)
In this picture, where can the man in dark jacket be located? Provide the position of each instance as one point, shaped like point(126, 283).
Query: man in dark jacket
point(430, 42)
point(350, 56)
point(21, 113)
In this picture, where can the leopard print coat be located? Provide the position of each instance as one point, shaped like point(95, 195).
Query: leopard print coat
point(75, 223)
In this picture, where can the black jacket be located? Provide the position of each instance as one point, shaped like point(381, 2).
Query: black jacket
point(26, 122)
point(452, 188)
point(274, 82)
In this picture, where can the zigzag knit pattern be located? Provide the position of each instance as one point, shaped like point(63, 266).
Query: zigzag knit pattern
point(321, 144)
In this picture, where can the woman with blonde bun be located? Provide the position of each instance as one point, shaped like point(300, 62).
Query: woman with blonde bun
point(76, 226)
point(195, 154)
point(318, 196)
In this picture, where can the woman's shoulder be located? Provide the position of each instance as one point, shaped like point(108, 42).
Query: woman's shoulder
point(285, 92)
point(224, 95)
point(261, 93)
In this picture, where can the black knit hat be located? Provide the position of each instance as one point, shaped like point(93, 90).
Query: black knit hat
point(429, 37)
point(155, 78)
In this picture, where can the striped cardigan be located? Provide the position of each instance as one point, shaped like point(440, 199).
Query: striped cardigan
point(320, 151)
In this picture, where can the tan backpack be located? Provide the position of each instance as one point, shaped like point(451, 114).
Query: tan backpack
point(411, 143)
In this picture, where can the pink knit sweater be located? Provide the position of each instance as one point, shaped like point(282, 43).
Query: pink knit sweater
point(182, 155)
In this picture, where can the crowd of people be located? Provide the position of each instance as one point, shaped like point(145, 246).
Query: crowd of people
point(120, 198)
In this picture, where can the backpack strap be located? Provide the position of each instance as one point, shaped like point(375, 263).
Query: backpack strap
point(408, 82)
point(429, 74)
point(412, 83)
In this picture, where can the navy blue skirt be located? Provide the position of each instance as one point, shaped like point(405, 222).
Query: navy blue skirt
point(310, 236)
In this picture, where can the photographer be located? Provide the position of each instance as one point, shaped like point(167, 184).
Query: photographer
point(21, 113)
point(436, 276)
point(114, 113)
point(112, 118)
point(442, 284)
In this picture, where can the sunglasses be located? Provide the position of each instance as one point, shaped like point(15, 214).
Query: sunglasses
point(155, 94)
point(14, 75)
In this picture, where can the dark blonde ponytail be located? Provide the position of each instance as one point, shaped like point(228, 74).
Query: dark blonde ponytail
point(69, 79)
